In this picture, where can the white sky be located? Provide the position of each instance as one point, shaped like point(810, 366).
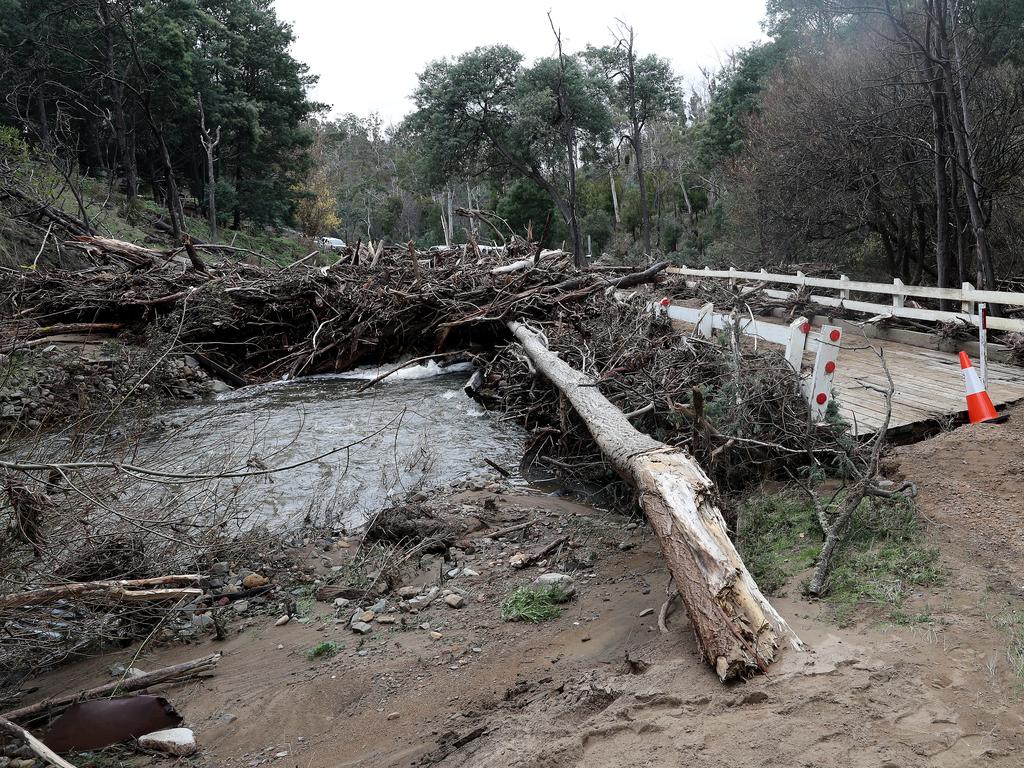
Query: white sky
point(368, 54)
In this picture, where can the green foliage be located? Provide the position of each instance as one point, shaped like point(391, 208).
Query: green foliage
point(651, 92)
point(153, 62)
point(735, 97)
point(778, 536)
point(484, 114)
point(533, 604)
point(524, 203)
point(882, 559)
point(598, 225)
point(323, 650)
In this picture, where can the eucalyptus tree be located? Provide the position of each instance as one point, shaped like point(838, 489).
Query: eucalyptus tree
point(643, 89)
point(484, 113)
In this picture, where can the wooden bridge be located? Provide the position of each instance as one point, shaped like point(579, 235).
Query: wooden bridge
point(928, 383)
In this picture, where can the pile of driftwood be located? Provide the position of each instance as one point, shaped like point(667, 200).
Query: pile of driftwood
point(250, 323)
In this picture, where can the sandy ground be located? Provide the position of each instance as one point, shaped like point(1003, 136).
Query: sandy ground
point(940, 692)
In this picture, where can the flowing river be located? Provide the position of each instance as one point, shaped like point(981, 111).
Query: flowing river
point(415, 429)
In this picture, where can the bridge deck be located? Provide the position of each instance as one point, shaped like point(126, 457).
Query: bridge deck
point(928, 383)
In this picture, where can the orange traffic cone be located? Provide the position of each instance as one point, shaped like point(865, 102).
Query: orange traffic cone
point(979, 404)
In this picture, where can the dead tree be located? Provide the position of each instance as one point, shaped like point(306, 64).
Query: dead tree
point(209, 143)
point(737, 629)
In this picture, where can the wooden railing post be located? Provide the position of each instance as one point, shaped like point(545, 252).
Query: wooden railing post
point(966, 305)
point(844, 293)
point(818, 388)
point(799, 330)
point(899, 299)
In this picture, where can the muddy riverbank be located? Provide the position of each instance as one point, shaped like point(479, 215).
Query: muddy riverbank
point(600, 684)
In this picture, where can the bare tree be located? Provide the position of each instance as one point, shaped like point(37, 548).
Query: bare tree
point(209, 143)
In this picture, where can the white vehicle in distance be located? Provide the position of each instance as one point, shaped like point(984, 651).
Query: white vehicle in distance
point(331, 243)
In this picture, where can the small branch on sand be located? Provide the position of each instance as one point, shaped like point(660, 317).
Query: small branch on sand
point(525, 561)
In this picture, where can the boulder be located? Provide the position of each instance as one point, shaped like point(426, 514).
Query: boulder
point(173, 741)
point(560, 580)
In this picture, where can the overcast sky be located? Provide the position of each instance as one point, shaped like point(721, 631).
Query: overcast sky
point(368, 54)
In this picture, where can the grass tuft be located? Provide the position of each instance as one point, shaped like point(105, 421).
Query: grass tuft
point(323, 650)
point(1013, 623)
point(882, 560)
point(533, 604)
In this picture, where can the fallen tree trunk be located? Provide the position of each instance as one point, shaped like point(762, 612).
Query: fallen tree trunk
point(172, 674)
point(129, 590)
point(737, 629)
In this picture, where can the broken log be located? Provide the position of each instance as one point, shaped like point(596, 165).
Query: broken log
point(129, 590)
point(737, 629)
point(172, 674)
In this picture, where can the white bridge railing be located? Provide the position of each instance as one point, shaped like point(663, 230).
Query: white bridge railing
point(796, 337)
point(968, 297)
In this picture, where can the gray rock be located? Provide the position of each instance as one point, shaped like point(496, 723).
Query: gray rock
point(362, 627)
point(174, 741)
point(422, 601)
point(469, 572)
point(220, 569)
point(408, 592)
point(241, 606)
point(227, 717)
point(455, 601)
point(203, 622)
point(381, 606)
point(217, 386)
point(560, 580)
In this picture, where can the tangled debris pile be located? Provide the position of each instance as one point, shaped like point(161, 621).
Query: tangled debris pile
point(260, 323)
point(736, 410)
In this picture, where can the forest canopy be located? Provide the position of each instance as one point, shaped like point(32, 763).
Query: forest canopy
point(874, 138)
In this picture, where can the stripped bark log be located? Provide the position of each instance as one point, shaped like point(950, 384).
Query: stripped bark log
point(40, 749)
point(130, 590)
point(737, 629)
